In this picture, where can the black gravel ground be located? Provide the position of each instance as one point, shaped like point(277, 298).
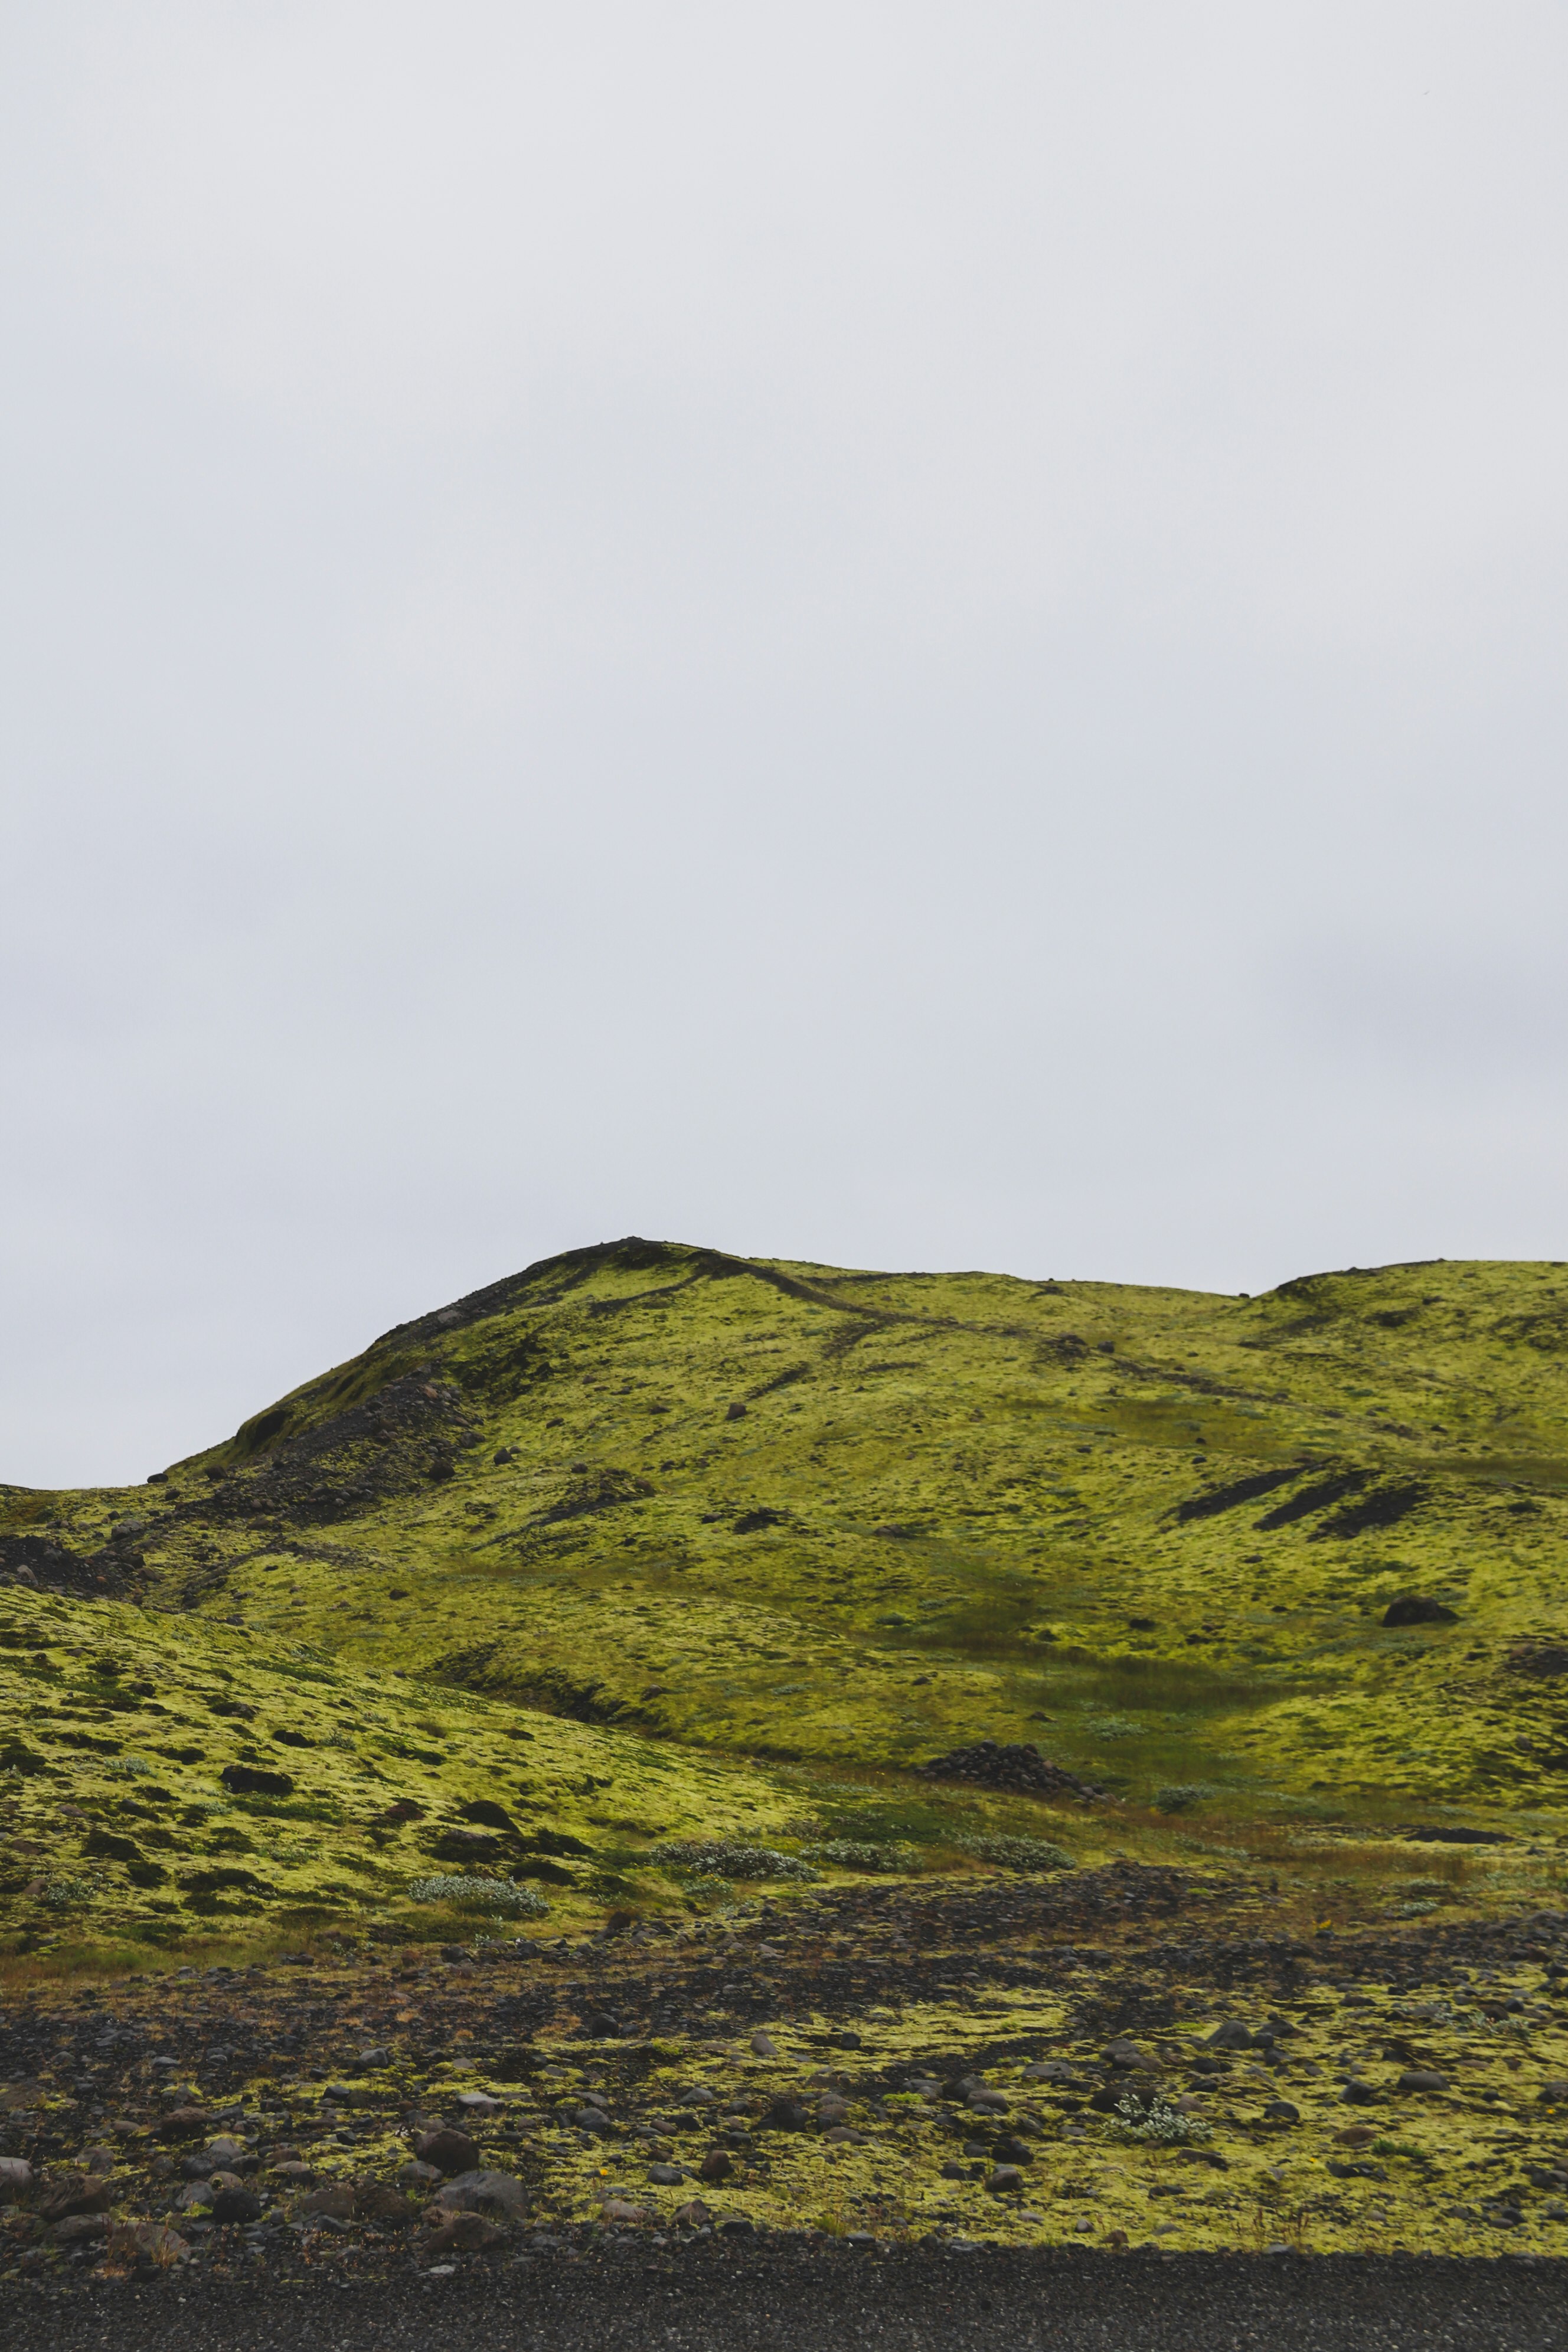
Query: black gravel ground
point(988, 2299)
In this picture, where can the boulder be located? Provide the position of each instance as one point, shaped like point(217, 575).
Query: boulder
point(183, 2122)
point(1417, 1608)
point(1122, 2053)
point(87, 2193)
point(496, 2194)
point(232, 2201)
point(333, 2201)
point(76, 2227)
point(449, 2150)
point(785, 2115)
point(465, 2233)
point(385, 2206)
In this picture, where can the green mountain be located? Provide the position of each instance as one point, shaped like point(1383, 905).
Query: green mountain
point(651, 1544)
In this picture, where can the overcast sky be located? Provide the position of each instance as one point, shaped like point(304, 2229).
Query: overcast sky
point(911, 634)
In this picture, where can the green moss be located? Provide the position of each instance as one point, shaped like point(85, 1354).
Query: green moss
point(1154, 1532)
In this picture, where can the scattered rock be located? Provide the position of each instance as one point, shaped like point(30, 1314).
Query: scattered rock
point(665, 2176)
point(233, 2201)
point(1416, 1609)
point(465, 2233)
point(1422, 2078)
point(412, 2174)
point(764, 2046)
point(79, 2226)
point(148, 2245)
point(183, 2123)
point(1007, 2181)
point(1122, 2053)
point(785, 2115)
point(384, 2206)
point(620, 2209)
point(449, 2150)
point(1011, 2150)
point(87, 2193)
point(693, 2215)
point(1021, 1766)
point(333, 2201)
point(1231, 2035)
point(717, 2165)
point(498, 2194)
point(15, 2176)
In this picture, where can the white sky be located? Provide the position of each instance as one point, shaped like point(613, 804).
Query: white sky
point(919, 635)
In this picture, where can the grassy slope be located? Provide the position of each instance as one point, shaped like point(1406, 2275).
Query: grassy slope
point(951, 1507)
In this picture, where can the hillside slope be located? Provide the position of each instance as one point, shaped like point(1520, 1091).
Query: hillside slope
point(712, 1534)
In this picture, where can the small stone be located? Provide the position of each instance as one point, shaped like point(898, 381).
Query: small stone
point(1050, 2070)
point(764, 2046)
point(1422, 2078)
point(1230, 2035)
point(1007, 2181)
point(79, 2226)
point(86, 2194)
point(1357, 2093)
point(479, 2103)
point(1280, 2111)
point(692, 2215)
point(1355, 2135)
point(665, 2176)
point(832, 2110)
point(412, 2174)
point(199, 2167)
point(147, 2244)
point(499, 2194)
point(373, 2057)
point(1011, 2150)
point(447, 2151)
point(99, 2161)
point(385, 2206)
point(225, 2153)
point(717, 2165)
point(333, 2201)
point(785, 2115)
point(1116, 2237)
point(620, 2209)
point(295, 2174)
point(233, 2201)
point(465, 2233)
point(183, 2123)
point(991, 2103)
point(1122, 2053)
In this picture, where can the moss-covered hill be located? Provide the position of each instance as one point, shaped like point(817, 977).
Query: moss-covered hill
point(650, 1542)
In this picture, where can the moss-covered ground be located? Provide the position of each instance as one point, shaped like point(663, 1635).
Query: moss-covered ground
point(651, 1546)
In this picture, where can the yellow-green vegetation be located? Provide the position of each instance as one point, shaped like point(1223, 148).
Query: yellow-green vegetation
point(650, 1544)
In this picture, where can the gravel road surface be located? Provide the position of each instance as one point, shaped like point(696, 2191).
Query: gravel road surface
point(994, 2300)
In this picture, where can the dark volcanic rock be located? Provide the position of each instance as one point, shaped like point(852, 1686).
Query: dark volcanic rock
point(1415, 1609)
point(1020, 1767)
point(450, 2151)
